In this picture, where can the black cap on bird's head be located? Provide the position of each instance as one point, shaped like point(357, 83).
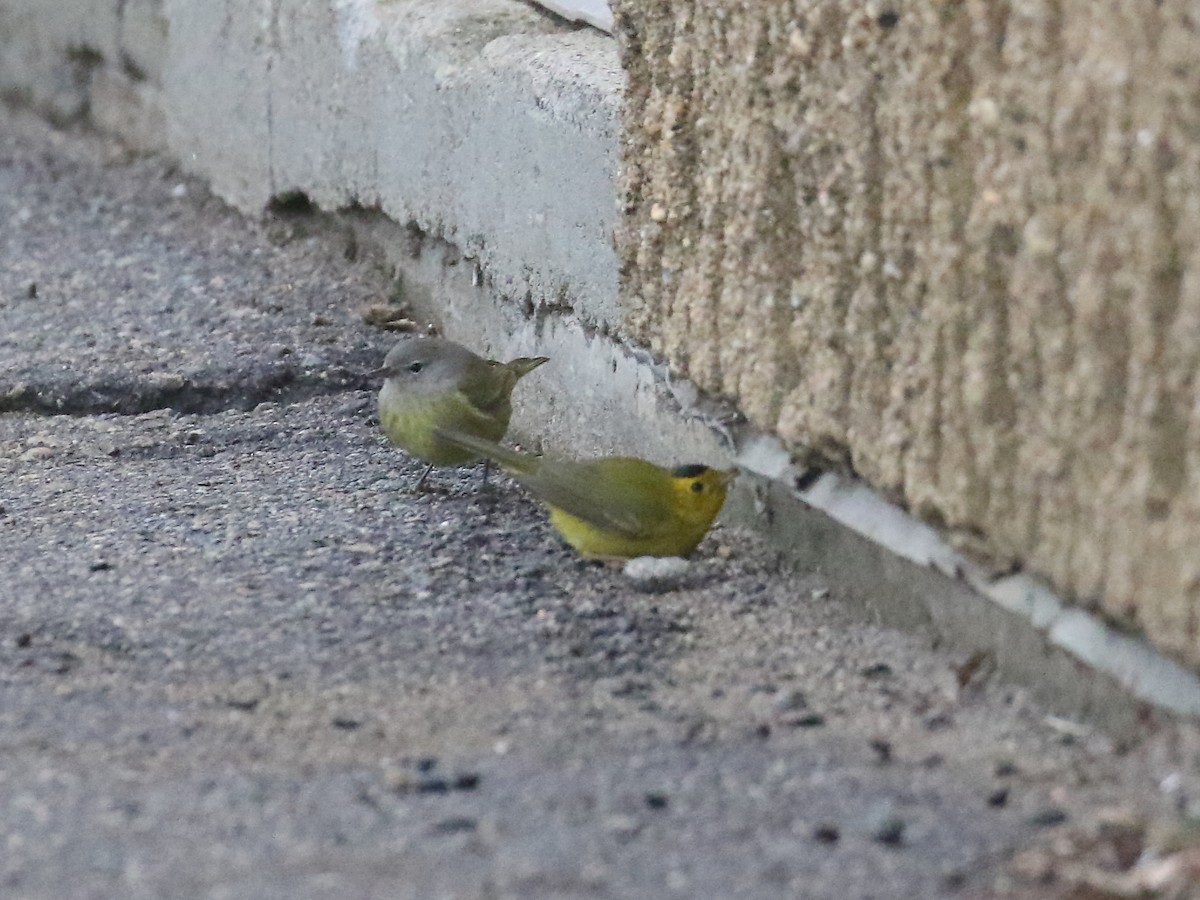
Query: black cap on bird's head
point(704, 478)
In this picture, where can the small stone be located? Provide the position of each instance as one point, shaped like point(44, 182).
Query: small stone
point(24, 639)
point(658, 212)
point(1033, 865)
point(427, 763)
point(799, 44)
point(790, 700)
point(1006, 769)
point(656, 573)
point(31, 291)
point(622, 826)
point(399, 780)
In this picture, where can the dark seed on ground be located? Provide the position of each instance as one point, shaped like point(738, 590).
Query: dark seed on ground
point(426, 763)
point(1006, 769)
point(883, 749)
point(879, 670)
point(346, 724)
point(889, 831)
point(810, 720)
point(24, 639)
point(656, 800)
point(1048, 818)
point(433, 786)
point(998, 798)
point(100, 566)
point(455, 826)
point(826, 834)
point(466, 782)
point(939, 722)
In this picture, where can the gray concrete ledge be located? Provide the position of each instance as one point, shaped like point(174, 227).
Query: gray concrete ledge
point(475, 146)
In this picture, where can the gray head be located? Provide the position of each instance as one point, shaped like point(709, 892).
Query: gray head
point(419, 364)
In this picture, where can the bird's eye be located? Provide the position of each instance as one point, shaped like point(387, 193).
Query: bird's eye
point(697, 487)
point(416, 367)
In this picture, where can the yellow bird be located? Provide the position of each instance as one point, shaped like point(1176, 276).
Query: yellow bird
point(615, 507)
point(433, 383)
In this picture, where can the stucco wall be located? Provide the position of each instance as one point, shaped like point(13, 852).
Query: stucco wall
point(954, 246)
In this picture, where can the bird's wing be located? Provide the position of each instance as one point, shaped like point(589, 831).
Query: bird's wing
point(487, 386)
point(510, 460)
point(575, 488)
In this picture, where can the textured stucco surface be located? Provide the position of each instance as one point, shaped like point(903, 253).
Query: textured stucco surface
point(952, 246)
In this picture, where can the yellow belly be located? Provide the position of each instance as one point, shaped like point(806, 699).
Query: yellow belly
point(678, 540)
point(409, 424)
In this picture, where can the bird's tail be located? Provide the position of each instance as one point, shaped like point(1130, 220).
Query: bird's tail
point(523, 365)
point(509, 460)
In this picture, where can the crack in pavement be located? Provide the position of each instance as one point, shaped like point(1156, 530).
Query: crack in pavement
point(45, 392)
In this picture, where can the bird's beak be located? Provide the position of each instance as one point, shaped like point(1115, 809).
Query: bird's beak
point(727, 476)
point(381, 372)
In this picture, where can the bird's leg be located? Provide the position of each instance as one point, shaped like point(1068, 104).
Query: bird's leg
point(419, 487)
point(489, 493)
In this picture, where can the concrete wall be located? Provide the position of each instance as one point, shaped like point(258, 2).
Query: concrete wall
point(953, 246)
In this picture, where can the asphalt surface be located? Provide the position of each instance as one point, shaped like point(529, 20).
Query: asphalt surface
point(239, 659)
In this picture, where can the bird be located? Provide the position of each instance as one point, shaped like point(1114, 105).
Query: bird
point(432, 383)
point(614, 507)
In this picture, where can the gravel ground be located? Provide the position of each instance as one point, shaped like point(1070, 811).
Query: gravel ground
point(238, 659)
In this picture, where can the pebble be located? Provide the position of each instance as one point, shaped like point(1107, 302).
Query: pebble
point(656, 573)
point(790, 700)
